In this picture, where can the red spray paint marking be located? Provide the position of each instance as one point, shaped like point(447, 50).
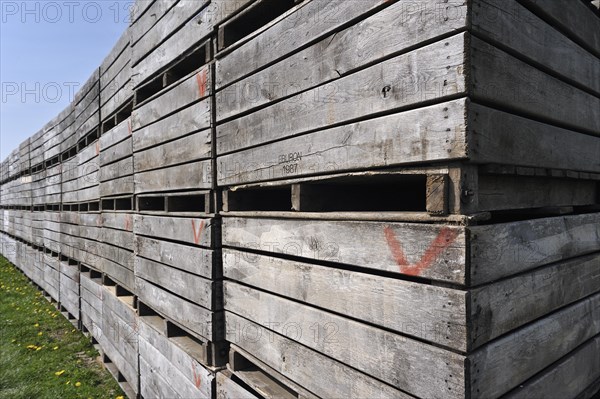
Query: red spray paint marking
point(129, 125)
point(97, 148)
point(201, 79)
point(197, 233)
point(197, 379)
point(128, 222)
point(442, 241)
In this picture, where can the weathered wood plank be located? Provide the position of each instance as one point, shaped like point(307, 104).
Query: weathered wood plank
point(187, 149)
point(195, 260)
point(123, 185)
point(572, 17)
point(389, 31)
point(198, 231)
point(424, 371)
point(386, 141)
point(343, 242)
point(191, 89)
point(565, 379)
point(196, 319)
point(190, 176)
point(502, 79)
point(295, 31)
point(507, 362)
point(301, 364)
point(201, 291)
point(227, 388)
point(117, 169)
point(116, 152)
point(152, 385)
point(500, 137)
point(501, 250)
point(434, 314)
point(187, 120)
point(514, 26)
point(407, 80)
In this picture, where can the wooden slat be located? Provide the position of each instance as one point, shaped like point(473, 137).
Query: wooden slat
point(227, 388)
point(197, 231)
point(406, 80)
point(191, 176)
point(395, 304)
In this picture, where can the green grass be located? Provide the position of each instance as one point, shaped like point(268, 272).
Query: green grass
point(41, 354)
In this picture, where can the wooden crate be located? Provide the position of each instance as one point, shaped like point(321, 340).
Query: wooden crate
point(116, 161)
point(115, 249)
point(69, 290)
point(115, 82)
point(172, 363)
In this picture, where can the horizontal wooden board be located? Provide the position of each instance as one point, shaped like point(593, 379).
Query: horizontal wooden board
point(198, 231)
point(191, 176)
point(183, 122)
point(227, 388)
point(412, 366)
point(195, 260)
point(343, 242)
point(148, 19)
point(387, 32)
point(435, 314)
point(407, 80)
point(386, 141)
point(201, 291)
point(302, 365)
point(189, 90)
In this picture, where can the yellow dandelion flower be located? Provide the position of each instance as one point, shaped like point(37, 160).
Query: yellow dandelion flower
point(36, 325)
point(40, 333)
point(59, 373)
point(78, 384)
point(31, 346)
point(13, 341)
point(38, 348)
point(119, 397)
point(55, 348)
point(67, 383)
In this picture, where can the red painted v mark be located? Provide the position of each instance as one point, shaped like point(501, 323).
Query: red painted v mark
point(197, 378)
point(442, 241)
point(201, 79)
point(197, 232)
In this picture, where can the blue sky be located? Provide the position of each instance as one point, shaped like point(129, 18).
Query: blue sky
point(47, 50)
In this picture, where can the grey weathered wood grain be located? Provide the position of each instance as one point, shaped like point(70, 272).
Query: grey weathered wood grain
point(507, 362)
point(189, 286)
point(185, 313)
point(501, 250)
point(120, 49)
point(124, 367)
point(289, 33)
point(191, 89)
point(343, 242)
point(432, 133)
point(227, 388)
point(389, 31)
point(407, 80)
point(572, 17)
point(187, 120)
point(301, 364)
point(123, 185)
point(114, 136)
point(187, 149)
point(500, 307)
point(117, 169)
point(187, 230)
point(109, 82)
point(567, 378)
point(514, 26)
point(148, 19)
point(152, 385)
point(424, 371)
point(500, 137)
point(192, 259)
point(434, 314)
point(502, 79)
point(138, 9)
point(191, 176)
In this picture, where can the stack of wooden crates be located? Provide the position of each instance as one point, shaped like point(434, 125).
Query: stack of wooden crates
point(327, 199)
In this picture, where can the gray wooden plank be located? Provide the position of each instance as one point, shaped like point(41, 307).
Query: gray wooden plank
point(115, 135)
point(123, 185)
point(190, 176)
point(436, 71)
point(290, 33)
point(192, 259)
point(566, 378)
point(514, 26)
point(152, 384)
point(115, 153)
point(502, 79)
point(424, 371)
point(509, 361)
point(148, 19)
point(572, 17)
point(500, 137)
point(187, 149)
point(435, 314)
point(198, 231)
point(189, 286)
point(187, 120)
point(343, 242)
point(117, 169)
point(227, 388)
point(389, 31)
point(519, 246)
point(190, 89)
point(386, 141)
point(301, 364)
point(195, 318)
